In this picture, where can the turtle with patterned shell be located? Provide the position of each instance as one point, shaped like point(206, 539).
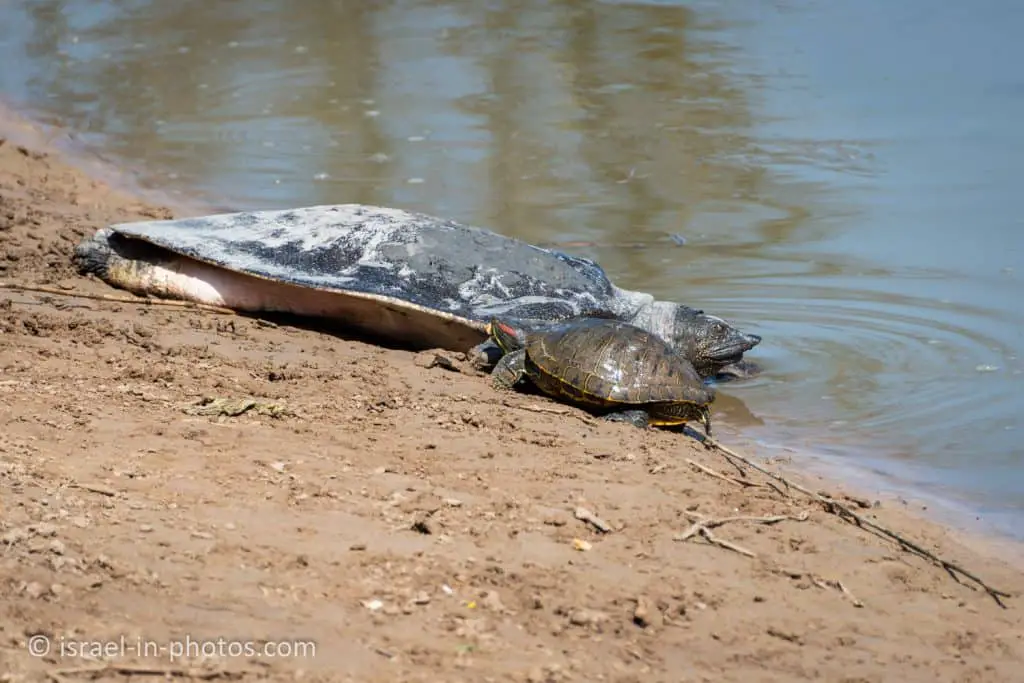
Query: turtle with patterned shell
point(608, 367)
point(410, 279)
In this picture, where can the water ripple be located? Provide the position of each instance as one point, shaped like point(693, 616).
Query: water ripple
point(885, 363)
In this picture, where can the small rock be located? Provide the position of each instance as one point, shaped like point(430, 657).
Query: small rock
point(581, 545)
point(36, 545)
point(642, 613)
point(79, 521)
point(13, 536)
point(145, 528)
point(425, 526)
point(373, 605)
point(492, 601)
point(35, 590)
point(588, 617)
point(44, 529)
point(439, 359)
point(57, 546)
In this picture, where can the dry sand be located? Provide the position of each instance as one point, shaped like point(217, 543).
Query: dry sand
point(408, 521)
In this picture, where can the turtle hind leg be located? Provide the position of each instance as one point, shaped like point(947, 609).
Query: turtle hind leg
point(637, 418)
point(509, 369)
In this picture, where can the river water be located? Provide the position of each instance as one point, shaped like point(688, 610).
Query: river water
point(842, 178)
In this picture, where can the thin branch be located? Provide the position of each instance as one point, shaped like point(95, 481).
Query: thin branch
point(133, 670)
point(703, 527)
point(172, 303)
point(734, 480)
point(832, 506)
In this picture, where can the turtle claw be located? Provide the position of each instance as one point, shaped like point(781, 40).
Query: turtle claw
point(508, 371)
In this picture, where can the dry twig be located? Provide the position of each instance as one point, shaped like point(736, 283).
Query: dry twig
point(822, 583)
point(549, 410)
point(190, 305)
point(585, 515)
point(94, 488)
point(703, 526)
point(733, 480)
point(832, 506)
point(135, 670)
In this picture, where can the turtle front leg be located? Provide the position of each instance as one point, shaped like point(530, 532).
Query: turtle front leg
point(485, 354)
point(637, 418)
point(509, 370)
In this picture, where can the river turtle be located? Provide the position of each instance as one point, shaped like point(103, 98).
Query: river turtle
point(408, 278)
point(606, 366)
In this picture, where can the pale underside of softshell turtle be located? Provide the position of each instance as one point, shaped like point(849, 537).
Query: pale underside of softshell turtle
point(420, 281)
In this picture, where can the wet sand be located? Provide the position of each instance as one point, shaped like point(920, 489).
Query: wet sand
point(407, 520)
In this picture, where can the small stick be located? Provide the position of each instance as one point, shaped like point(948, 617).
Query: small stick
point(832, 506)
point(715, 523)
point(820, 583)
point(740, 482)
point(703, 527)
point(837, 585)
point(191, 305)
point(132, 670)
point(545, 409)
point(585, 515)
point(722, 543)
point(535, 408)
point(94, 488)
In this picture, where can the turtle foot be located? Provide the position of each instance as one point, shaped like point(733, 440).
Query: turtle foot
point(484, 356)
point(637, 418)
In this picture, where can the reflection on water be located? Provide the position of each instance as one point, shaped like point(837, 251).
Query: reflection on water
point(856, 207)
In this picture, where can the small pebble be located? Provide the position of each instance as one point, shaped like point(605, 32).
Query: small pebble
point(44, 529)
point(587, 617)
point(35, 590)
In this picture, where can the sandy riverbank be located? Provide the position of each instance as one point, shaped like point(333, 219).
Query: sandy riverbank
point(403, 518)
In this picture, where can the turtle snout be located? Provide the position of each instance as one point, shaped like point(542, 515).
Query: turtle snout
point(705, 419)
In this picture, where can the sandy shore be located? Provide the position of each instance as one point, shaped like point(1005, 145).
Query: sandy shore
point(406, 520)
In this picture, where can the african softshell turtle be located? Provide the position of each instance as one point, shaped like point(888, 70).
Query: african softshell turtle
point(416, 280)
point(606, 366)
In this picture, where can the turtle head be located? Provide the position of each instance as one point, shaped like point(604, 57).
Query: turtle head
point(704, 417)
point(709, 342)
point(507, 336)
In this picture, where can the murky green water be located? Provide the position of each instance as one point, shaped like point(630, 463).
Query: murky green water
point(846, 176)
